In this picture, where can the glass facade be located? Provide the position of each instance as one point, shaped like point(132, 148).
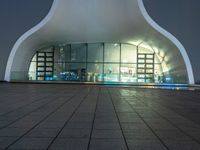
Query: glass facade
point(96, 62)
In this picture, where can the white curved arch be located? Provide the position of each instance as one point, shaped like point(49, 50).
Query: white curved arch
point(25, 36)
point(172, 38)
point(70, 21)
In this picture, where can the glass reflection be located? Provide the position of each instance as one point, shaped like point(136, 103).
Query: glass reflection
point(97, 62)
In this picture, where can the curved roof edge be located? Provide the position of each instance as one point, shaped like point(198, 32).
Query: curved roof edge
point(146, 16)
point(172, 38)
point(25, 36)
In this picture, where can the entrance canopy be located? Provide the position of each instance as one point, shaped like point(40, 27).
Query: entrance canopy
point(100, 21)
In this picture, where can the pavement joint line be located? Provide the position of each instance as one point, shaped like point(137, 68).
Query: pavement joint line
point(92, 129)
point(147, 125)
point(173, 124)
point(177, 113)
point(52, 112)
point(111, 98)
point(20, 107)
point(39, 107)
point(84, 97)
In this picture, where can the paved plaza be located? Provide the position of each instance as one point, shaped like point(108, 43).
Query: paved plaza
point(89, 117)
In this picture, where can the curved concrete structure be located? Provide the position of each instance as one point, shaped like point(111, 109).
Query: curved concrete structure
point(80, 21)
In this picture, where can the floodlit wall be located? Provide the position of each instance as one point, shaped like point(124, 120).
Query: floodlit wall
point(100, 21)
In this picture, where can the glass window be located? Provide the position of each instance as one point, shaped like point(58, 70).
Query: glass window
point(77, 71)
point(49, 64)
point(34, 58)
point(40, 78)
point(141, 61)
point(95, 72)
point(150, 56)
point(49, 69)
point(32, 71)
point(149, 61)
point(59, 54)
point(111, 72)
point(128, 73)
point(144, 50)
point(62, 53)
point(141, 75)
point(112, 53)
point(141, 65)
point(59, 67)
point(141, 70)
point(149, 66)
point(49, 54)
point(47, 49)
point(141, 56)
point(40, 73)
point(141, 80)
point(78, 53)
point(149, 70)
point(49, 59)
point(67, 50)
point(95, 52)
point(61, 71)
point(128, 54)
point(41, 59)
point(48, 73)
point(41, 64)
point(41, 69)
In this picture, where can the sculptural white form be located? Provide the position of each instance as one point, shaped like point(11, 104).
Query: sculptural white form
point(88, 21)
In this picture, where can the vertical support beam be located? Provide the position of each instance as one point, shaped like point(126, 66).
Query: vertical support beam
point(36, 73)
point(154, 67)
point(120, 55)
point(86, 61)
point(70, 56)
point(145, 68)
point(53, 58)
point(137, 62)
point(103, 58)
point(86, 67)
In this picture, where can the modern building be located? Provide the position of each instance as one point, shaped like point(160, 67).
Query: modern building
point(102, 41)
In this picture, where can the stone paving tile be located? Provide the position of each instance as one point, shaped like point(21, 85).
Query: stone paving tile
point(105, 125)
point(107, 144)
point(107, 134)
point(182, 145)
point(171, 134)
point(75, 133)
point(133, 118)
point(79, 125)
point(43, 133)
point(51, 124)
point(10, 132)
point(4, 123)
point(82, 117)
point(23, 124)
point(69, 144)
point(31, 144)
point(145, 145)
point(5, 141)
point(139, 134)
point(134, 126)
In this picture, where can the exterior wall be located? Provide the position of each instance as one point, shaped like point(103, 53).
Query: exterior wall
point(16, 18)
point(181, 18)
point(29, 55)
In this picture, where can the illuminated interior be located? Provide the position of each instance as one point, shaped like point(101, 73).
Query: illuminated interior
point(99, 62)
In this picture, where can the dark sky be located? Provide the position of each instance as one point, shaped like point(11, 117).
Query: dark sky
point(180, 17)
point(16, 17)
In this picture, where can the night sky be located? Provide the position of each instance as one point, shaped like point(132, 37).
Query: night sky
point(179, 17)
point(182, 19)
